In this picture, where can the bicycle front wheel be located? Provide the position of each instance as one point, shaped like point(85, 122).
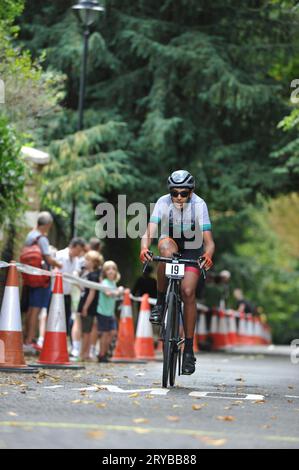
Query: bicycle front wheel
point(168, 343)
point(174, 347)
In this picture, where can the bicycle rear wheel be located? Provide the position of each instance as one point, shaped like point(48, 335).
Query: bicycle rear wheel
point(168, 345)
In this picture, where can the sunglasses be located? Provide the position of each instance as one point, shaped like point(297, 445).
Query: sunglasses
point(180, 193)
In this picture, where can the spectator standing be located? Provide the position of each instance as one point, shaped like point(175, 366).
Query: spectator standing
point(69, 259)
point(243, 305)
point(106, 308)
point(89, 300)
point(95, 244)
point(146, 284)
point(39, 297)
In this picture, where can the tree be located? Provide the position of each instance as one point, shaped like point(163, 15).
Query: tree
point(193, 90)
point(194, 84)
point(12, 172)
point(29, 94)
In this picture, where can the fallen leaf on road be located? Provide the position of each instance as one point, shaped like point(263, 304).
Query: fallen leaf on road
point(134, 395)
point(141, 431)
point(149, 397)
point(101, 405)
point(106, 380)
point(273, 417)
point(290, 401)
point(41, 375)
point(240, 379)
point(76, 401)
point(259, 402)
point(95, 434)
point(12, 413)
point(226, 418)
point(213, 442)
point(226, 408)
point(197, 407)
point(238, 402)
point(137, 403)
point(266, 426)
point(140, 420)
point(156, 383)
point(173, 418)
point(291, 387)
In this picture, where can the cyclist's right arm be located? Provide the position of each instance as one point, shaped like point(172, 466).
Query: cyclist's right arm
point(146, 242)
point(151, 231)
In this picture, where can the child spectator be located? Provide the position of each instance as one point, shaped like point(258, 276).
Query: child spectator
point(106, 308)
point(89, 299)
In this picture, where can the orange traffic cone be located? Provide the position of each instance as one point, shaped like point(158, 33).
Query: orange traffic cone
point(202, 329)
point(232, 329)
point(54, 354)
point(256, 331)
point(214, 328)
point(144, 344)
point(250, 333)
point(11, 336)
point(124, 350)
point(242, 330)
point(220, 338)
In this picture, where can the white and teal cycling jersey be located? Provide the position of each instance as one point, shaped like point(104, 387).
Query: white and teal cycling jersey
point(185, 225)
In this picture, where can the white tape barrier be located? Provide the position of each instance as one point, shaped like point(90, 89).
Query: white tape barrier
point(153, 301)
point(25, 268)
point(78, 281)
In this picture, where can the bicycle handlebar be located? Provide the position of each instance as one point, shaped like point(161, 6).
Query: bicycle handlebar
point(162, 259)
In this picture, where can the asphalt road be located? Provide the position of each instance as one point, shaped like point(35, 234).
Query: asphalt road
point(232, 401)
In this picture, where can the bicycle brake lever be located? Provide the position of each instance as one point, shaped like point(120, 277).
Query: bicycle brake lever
point(145, 265)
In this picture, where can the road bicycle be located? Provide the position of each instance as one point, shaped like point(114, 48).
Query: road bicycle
point(173, 313)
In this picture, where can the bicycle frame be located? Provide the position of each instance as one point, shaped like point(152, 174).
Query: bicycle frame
point(170, 328)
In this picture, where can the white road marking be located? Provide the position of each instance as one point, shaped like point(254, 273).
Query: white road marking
point(116, 389)
point(291, 396)
point(227, 396)
point(52, 387)
point(86, 389)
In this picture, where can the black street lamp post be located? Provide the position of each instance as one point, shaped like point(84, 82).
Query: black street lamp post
point(87, 12)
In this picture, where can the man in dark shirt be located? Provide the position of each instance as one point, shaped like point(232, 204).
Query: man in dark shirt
point(146, 284)
point(242, 304)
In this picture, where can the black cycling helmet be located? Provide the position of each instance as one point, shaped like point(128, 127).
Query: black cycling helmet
point(181, 179)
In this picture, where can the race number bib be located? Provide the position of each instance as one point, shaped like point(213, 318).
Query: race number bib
point(175, 270)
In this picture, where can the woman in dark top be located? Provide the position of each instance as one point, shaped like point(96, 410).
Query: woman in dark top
point(89, 299)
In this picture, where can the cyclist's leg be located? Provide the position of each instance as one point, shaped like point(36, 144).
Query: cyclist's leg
point(167, 246)
point(188, 288)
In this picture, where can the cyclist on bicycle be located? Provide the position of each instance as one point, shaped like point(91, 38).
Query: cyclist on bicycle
point(185, 228)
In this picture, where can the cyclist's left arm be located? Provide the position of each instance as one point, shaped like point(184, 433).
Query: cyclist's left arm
point(209, 245)
point(208, 241)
